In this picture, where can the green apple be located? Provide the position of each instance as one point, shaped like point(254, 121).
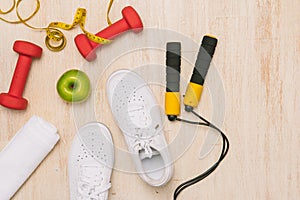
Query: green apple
point(73, 86)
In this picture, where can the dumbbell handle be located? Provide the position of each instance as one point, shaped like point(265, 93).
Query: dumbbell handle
point(20, 76)
point(112, 31)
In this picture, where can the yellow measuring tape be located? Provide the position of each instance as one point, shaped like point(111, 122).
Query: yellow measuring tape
point(52, 30)
point(13, 7)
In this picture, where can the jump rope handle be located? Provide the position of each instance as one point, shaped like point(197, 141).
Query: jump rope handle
point(172, 95)
point(195, 87)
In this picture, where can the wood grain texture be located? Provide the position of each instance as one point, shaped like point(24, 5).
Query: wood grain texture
point(258, 59)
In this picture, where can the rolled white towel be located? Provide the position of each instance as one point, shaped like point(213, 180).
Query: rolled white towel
point(24, 153)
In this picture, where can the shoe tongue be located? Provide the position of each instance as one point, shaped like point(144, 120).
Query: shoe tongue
point(143, 155)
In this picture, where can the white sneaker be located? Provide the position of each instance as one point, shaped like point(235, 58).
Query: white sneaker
point(139, 118)
point(91, 161)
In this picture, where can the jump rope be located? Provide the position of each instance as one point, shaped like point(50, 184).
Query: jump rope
point(192, 96)
point(52, 30)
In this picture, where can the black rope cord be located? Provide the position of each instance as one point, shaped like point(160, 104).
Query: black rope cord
point(224, 152)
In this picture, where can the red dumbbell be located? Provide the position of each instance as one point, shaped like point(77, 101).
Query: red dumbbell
point(13, 99)
point(131, 20)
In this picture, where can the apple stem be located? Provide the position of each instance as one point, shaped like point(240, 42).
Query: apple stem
point(72, 86)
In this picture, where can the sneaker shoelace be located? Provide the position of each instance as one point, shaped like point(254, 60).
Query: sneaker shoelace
point(143, 136)
point(89, 185)
point(143, 145)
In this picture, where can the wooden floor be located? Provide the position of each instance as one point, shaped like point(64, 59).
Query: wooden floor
point(258, 62)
